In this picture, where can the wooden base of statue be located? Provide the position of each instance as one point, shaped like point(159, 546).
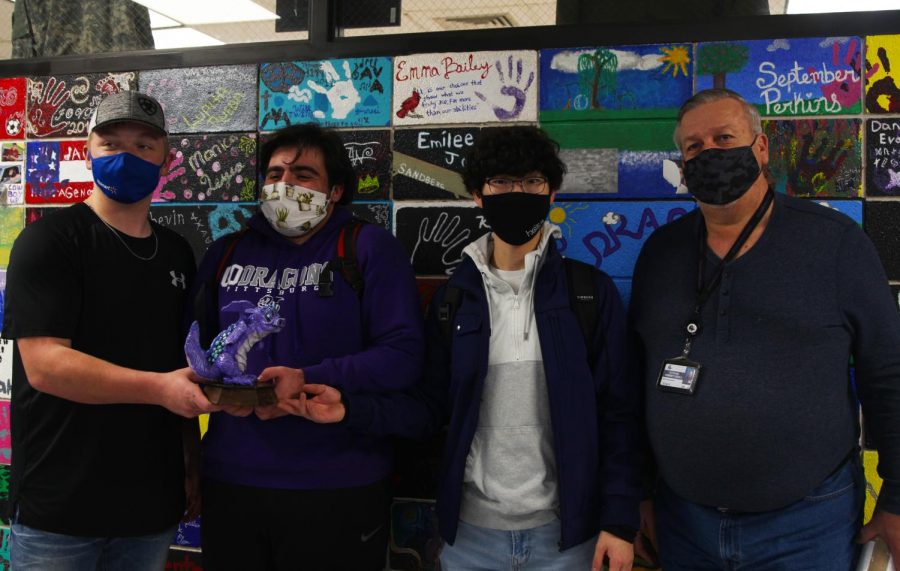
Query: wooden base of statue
point(240, 395)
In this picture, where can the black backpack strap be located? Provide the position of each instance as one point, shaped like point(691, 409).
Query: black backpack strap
point(447, 312)
point(206, 304)
point(345, 262)
point(583, 301)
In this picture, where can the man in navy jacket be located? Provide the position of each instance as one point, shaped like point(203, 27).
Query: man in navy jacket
point(541, 467)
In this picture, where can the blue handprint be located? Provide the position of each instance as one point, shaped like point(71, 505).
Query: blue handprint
point(513, 90)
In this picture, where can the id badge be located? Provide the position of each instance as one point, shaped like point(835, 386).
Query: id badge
point(679, 375)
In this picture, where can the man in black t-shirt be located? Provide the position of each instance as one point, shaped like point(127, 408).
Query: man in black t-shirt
point(95, 296)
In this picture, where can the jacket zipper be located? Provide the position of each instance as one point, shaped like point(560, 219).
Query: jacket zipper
point(517, 345)
point(560, 489)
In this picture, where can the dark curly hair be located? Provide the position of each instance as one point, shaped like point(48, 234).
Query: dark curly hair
point(516, 151)
point(328, 142)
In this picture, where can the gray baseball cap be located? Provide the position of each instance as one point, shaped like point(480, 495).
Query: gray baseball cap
point(129, 106)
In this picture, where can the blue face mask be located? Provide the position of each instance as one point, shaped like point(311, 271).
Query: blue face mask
point(124, 177)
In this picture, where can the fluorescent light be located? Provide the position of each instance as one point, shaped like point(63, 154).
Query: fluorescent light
point(158, 21)
point(192, 12)
point(820, 6)
point(182, 38)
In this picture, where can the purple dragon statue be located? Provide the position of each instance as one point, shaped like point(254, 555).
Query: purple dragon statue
point(226, 358)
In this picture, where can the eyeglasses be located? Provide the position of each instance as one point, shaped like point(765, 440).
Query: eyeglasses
point(531, 185)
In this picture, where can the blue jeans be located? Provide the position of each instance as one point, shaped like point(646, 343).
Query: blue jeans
point(816, 532)
point(482, 549)
point(34, 549)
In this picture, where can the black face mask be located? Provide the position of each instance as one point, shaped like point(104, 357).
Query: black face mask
point(516, 217)
point(721, 176)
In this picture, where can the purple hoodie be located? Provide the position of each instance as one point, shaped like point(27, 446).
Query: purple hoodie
point(367, 344)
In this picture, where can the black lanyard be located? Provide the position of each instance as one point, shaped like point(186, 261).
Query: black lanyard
point(704, 291)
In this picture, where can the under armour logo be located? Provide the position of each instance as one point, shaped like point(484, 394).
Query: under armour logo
point(178, 279)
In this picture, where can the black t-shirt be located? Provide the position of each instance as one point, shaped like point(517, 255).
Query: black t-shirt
point(96, 470)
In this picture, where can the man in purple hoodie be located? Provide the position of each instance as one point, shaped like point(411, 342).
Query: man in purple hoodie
point(279, 490)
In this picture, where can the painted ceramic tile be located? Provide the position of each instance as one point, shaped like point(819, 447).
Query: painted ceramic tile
point(202, 224)
point(12, 152)
point(620, 173)
point(428, 162)
point(55, 172)
point(378, 213)
point(633, 159)
point(210, 168)
point(435, 234)
point(650, 174)
point(12, 221)
point(12, 167)
point(609, 234)
point(883, 157)
point(796, 76)
point(816, 157)
point(13, 92)
point(465, 87)
point(62, 106)
point(205, 99)
point(882, 91)
point(354, 92)
point(590, 172)
point(370, 154)
point(619, 82)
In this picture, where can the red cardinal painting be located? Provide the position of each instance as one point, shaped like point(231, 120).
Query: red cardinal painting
point(409, 104)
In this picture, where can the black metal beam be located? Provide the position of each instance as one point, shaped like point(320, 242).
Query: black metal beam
point(324, 44)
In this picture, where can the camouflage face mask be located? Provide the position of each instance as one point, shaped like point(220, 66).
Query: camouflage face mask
point(721, 176)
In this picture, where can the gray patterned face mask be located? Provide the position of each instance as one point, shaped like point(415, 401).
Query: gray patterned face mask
point(721, 176)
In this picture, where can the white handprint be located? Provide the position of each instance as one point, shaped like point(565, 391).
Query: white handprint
point(342, 95)
point(440, 241)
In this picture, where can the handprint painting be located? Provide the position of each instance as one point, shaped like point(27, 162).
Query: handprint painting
point(624, 82)
point(882, 89)
point(819, 158)
point(466, 87)
point(810, 76)
point(353, 92)
point(435, 237)
point(61, 106)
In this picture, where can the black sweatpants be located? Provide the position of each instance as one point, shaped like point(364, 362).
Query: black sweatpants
point(245, 528)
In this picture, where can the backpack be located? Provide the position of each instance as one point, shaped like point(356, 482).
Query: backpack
point(582, 300)
point(207, 302)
